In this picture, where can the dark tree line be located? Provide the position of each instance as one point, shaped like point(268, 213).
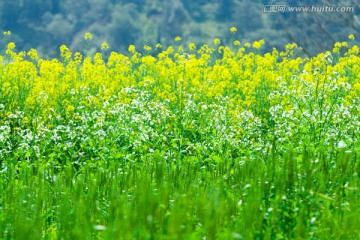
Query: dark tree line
point(45, 25)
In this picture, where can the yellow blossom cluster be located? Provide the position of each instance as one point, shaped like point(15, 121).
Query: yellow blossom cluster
point(244, 75)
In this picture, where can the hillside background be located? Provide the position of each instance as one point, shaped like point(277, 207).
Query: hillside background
point(45, 25)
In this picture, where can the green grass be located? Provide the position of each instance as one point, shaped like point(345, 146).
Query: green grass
point(151, 198)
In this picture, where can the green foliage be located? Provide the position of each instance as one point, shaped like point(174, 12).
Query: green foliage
point(155, 199)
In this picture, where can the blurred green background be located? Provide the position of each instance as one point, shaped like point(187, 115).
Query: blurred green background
point(45, 25)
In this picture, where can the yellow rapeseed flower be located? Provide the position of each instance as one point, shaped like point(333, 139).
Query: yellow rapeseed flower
point(192, 46)
point(132, 49)
point(104, 46)
point(236, 43)
point(9, 51)
point(78, 57)
point(11, 45)
point(65, 53)
point(233, 29)
point(217, 41)
point(147, 48)
point(337, 45)
point(351, 37)
point(177, 39)
point(256, 45)
point(220, 49)
point(290, 46)
point(33, 54)
point(88, 36)
point(354, 50)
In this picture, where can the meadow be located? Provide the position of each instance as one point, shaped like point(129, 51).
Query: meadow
point(183, 142)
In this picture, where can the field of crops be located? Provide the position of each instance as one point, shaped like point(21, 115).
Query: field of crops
point(187, 142)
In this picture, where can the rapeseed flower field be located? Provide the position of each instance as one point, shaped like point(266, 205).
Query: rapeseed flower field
point(183, 142)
